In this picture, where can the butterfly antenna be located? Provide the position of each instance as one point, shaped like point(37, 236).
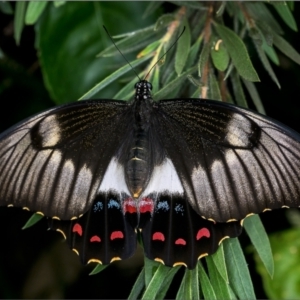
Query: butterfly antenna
point(183, 30)
point(121, 53)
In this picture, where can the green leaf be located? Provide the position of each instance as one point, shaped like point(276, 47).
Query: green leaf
point(238, 273)
point(213, 90)
point(165, 91)
point(271, 53)
point(167, 282)
point(34, 11)
point(254, 96)
point(189, 288)
point(156, 282)
point(203, 59)
point(152, 7)
point(193, 52)
point(150, 268)
point(238, 52)
point(219, 284)
point(238, 91)
point(138, 286)
point(183, 49)
point(219, 261)
point(163, 21)
point(33, 220)
point(286, 48)
point(286, 15)
point(260, 241)
point(19, 20)
point(220, 56)
point(115, 75)
point(59, 3)
point(206, 285)
point(134, 41)
point(99, 268)
point(285, 283)
point(69, 38)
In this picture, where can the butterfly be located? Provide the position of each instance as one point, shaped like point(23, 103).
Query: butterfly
point(180, 173)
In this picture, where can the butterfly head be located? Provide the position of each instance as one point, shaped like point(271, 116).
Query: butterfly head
point(143, 90)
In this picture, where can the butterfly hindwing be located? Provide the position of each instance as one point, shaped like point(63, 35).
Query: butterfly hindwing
point(54, 162)
point(103, 234)
point(231, 161)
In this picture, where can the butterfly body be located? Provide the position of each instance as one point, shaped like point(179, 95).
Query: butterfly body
point(176, 171)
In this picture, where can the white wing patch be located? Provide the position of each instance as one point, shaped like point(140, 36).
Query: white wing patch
point(114, 179)
point(164, 179)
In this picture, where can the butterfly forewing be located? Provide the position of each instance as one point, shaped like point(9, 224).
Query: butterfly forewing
point(231, 161)
point(55, 161)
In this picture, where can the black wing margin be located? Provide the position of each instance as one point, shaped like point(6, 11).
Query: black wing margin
point(231, 161)
point(54, 162)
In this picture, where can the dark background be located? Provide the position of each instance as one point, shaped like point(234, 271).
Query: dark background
point(36, 263)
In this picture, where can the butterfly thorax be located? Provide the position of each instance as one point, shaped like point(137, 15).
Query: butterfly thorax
point(138, 164)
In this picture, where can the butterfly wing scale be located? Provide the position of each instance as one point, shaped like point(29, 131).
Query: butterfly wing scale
point(54, 162)
point(231, 161)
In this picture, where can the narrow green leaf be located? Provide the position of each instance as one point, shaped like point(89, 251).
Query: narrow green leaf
point(286, 48)
point(286, 15)
point(99, 268)
point(260, 241)
point(34, 10)
point(168, 88)
point(213, 87)
point(152, 7)
point(155, 80)
point(266, 64)
point(259, 11)
point(220, 286)
point(134, 41)
point(220, 56)
point(219, 261)
point(150, 48)
point(19, 20)
point(167, 282)
point(239, 276)
point(206, 286)
point(33, 220)
point(113, 77)
point(59, 3)
point(164, 21)
point(221, 9)
point(271, 53)
point(189, 288)
point(238, 52)
point(254, 96)
point(156, 282)
point(183, 49)
point(238, 89)
point(193, 52)
point(150, 268)
point(138, 286)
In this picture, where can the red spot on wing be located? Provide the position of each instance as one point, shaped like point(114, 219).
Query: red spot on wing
point(117, 235)
point(77, 229)
point(146, 205)
point(180, 242)
point(129, 206)
point(158, 236)
point(95, 238)
point(204, 232)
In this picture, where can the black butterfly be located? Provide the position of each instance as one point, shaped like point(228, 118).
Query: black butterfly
point(177, 170)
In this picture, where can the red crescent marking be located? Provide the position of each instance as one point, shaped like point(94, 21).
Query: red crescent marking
point(146, 205)
point(117, 235)
point(158, 236)
point(77, 229)
point(129, 206)
point(204, 232)
point(95, 238)
point(180, 242)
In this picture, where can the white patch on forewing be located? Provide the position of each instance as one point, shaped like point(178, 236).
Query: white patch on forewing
point(164, 178)
point(114, 178)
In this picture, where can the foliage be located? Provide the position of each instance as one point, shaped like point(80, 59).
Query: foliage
point(213, 53)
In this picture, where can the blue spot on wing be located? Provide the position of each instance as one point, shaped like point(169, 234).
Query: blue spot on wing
point(113, 204)
point(179, 209)
point(162, 205)
point(98, 206)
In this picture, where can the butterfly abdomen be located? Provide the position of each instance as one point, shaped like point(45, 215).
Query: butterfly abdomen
point(138, 164)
